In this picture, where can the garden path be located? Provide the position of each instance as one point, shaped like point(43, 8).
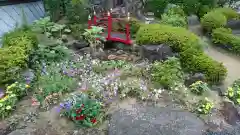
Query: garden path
point(230, 61)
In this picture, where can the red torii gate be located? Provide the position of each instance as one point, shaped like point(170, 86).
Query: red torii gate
point(106, 22)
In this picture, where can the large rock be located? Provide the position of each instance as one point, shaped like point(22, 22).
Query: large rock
point(193, 20)
point(233, 24)
point(195, 77)
point(156, 52)
point(154, 121)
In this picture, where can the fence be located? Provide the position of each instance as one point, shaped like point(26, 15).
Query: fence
point(12, 15)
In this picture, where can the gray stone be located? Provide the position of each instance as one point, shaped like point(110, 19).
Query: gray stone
point(156, 52)
point(230, 113)
point(233, 24)
point(193, 20)
point(154, 121)
point(76, 44)
point(195, 77)
point(28, 75)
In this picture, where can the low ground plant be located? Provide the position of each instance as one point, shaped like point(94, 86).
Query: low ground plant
point(167, 73)
point(233, 92)
point(199, 87)
point(204, 106)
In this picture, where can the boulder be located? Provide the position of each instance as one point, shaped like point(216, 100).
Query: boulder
point(233, 24)
point(195, 77)
point(5, 128)
point(193, 20)
point(76, 44)
point(149, 120)
point(156, 52)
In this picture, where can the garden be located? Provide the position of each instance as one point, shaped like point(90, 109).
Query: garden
point(58, 77)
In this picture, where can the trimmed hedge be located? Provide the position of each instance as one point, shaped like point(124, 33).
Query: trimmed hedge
point(225, 38)
point(213, 20)
point(218, 18)
point(187, 44)
point(17, 46)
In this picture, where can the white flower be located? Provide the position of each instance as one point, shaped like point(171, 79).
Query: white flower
point(159, 91)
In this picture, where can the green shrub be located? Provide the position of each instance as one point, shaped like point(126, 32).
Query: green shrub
point(224, 37)
point(204, 9)
point(204, 106)
point(213, 20)
point(17, 46)
point(229, 13)
point(185, 42)
point(175, 9)
point(199, 87)
point(82, 110)
point(233, 92)
point(167, 73)
point(20, 89)
point(7, 105)
point(174, 20)
point(196, 61)
point(78, 30)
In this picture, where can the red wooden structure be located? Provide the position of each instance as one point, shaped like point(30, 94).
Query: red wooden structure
point(106, 22)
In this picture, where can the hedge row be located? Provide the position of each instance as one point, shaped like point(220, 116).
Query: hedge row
point(217, 18)
point(17, 46)
point(224, 38)
point(187, 44)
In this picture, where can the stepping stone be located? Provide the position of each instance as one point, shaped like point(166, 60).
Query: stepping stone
point(155, 121)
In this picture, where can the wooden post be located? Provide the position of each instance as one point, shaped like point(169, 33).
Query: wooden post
point(89, 22)
point(109, 25)
point(128, 33)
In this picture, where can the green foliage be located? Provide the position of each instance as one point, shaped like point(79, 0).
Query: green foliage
point(7, 105)
point(204, 106)
point(224, 37)
point(53, 82)
point(77, 30)
point(167, 73)
point(187, 44)
point(199, 62)
point(48, 54)
point(218, 18)
point(76, 11)
point(199, 87)
point(50, 29)
point(156, 6)
point(203, 10)
point(229, 13)
point(19, 89)
point(173, 10)
point(17, 45)
point(174, 20)
point(82, 110)
point(213, 20)
point(91, 35)
point(233, 92)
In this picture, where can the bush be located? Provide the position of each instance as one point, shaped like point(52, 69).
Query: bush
point(199, 87)
point(17, 46)
point(7, 105)
point(78, 30)
point(174, 20)
point(204, 106)
point(204, 9)
point(187, 43)
point(229, 13)
point(218, 18)
point(174, 9)
point(82, 110)
point(213, 20)
point(20, 89)
point(167, 73)
point(225, 38)
point(233, 92)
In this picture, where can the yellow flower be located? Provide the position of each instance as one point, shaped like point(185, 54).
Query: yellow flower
point(27, 86)
point(1, 104)
point(8, 107)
